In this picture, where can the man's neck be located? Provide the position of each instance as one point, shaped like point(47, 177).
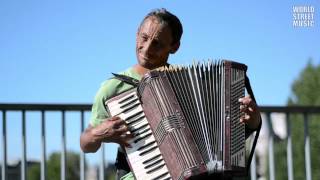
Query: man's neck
point(140, 70)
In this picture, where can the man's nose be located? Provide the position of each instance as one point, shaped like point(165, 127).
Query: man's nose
point(148, 47)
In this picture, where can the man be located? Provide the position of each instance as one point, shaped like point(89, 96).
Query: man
point(158, 36)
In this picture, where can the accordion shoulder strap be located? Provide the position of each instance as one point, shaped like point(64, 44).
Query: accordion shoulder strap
point(249, 89)
point(127, 79)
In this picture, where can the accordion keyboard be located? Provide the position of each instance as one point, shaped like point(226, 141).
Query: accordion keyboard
point(144, 156)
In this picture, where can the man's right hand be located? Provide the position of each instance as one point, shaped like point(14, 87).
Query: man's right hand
point(112, 129)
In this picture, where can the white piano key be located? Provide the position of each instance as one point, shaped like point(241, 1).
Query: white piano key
point(125, 116)
point(153, 175)
point(116, 109)
point(116, 102)
point(138, 124)
point(134, 157)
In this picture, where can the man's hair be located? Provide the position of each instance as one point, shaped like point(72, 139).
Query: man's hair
point(167, 18)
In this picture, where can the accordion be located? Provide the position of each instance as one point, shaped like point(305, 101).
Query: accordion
point(185, 121)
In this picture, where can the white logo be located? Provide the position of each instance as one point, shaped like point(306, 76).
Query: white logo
point(303, 16)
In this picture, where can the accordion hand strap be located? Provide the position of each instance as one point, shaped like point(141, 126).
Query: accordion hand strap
point(249, 89)
point(127, 79)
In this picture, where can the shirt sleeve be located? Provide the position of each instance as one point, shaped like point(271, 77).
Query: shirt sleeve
point(99, 112)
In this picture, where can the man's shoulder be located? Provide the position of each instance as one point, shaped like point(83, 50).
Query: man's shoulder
point(113, 86)
point(113, 82)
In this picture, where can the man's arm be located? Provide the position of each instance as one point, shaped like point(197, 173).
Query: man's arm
point(113, 129)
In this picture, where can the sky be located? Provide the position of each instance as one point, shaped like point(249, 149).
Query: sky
point(61, 51)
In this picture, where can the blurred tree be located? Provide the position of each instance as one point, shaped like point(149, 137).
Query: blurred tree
point(34, 172)
point(72, 163)
point(72, 171)
point(305, 92)
point(53, 167)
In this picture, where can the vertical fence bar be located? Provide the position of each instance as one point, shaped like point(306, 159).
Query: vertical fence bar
point(82, 155)
point(63, 150)
point(43, 147)
point(253, 168)
point(307, 147)
point(4, 147)
point(24, 150)
point(289, 148)
point(102, 163)
point(270, 149)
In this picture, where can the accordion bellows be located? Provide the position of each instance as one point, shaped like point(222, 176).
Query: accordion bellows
point(185, 120)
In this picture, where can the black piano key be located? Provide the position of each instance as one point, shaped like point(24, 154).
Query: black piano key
point(154, 163)
point(130, 108)
point(140, 133)
point(161, 175)
point(155, 168)
point(134, 130)
point(137, 114)
point(151, 159)
point(146, 145)
point(147, 151)
point(136, 120)
point(126, 99)
point(142, 137)
point(128, 103)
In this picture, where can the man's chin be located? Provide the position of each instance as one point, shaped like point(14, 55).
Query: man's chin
point(146, 63)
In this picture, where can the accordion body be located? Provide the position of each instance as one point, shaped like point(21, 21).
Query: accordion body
point(185, 121)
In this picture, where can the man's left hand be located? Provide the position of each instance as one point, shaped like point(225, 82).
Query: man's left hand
point(251, 112)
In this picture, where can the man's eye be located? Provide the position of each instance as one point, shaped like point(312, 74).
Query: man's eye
point(144, 38)
point(157, 43)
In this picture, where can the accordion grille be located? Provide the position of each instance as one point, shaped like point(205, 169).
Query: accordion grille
point(237, 129)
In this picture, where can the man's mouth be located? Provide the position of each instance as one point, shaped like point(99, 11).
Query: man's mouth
point(145, 58)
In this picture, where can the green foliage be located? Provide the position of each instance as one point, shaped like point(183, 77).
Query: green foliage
point(305, 91)
point(53, 167)
point(34, 172)
point(72, 168)
point(110, 172)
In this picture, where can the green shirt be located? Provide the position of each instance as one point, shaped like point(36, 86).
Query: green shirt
point(109, 89)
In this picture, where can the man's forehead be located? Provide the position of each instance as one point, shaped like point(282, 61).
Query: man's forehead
point(151, 25)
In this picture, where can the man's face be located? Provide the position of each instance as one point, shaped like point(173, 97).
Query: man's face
point(154, 43)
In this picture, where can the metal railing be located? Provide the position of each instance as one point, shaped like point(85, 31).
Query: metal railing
point(306, 111)
point(43, 108)
point(82, 108)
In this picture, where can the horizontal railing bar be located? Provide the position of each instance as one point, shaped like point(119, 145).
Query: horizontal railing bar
point(46, 107)
point(85, 107)
point(290, 109)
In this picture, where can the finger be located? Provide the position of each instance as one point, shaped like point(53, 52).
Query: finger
point(129, 136)
point(243, 98)
point(246, 100)
point(243, 108)
point(245, 118)
point(126, 137)
point(121, 130)
point(118, 123)
point(114, 118)
point(124, 142)
point(246, 110)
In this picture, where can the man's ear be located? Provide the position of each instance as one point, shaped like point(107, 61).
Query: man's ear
point(175, 47)
point(137, 34)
